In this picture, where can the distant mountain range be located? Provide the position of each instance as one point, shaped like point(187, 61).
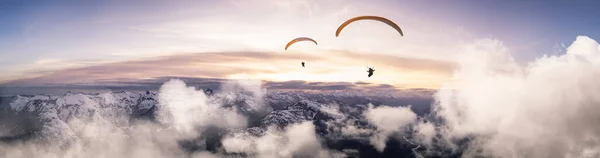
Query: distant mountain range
point(45, 118)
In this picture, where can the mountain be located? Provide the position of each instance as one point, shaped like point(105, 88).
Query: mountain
point(45, 118)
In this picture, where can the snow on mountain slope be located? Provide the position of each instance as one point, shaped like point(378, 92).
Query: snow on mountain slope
point(334, 105)
point(335, 115)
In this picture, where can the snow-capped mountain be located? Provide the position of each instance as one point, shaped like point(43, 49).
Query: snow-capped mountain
point(47, 117)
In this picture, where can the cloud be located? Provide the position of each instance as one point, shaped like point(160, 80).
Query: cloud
point(296, 140)
point(332, 67)
point(388, 120)
point(545, 109)
point(425, 132)
point(182, 106)
point(201, 64)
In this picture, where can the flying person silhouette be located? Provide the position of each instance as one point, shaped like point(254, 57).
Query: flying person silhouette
point(370, 71)
point(302, 64)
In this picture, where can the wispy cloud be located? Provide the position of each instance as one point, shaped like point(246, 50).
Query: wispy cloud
point(119, 32)
point(326, 66)
point(153, 84)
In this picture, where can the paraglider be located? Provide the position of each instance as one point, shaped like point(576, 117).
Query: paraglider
point(298, 40)
point(370, 71)
point(377, 18)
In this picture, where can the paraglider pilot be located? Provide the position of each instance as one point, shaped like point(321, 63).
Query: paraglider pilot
point(370, 71)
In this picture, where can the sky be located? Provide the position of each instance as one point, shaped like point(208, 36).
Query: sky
point(68, 41)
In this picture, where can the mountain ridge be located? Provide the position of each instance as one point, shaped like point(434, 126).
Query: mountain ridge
point(281, 109)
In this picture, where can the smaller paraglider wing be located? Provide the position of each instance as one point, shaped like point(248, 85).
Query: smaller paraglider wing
point(298, 40)
point(377, 18)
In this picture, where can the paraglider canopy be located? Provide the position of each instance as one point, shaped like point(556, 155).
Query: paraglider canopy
point(376, 18)
point(298, 40)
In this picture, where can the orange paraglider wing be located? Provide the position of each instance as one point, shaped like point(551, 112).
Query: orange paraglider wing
point(298, 40)
point(377, 18)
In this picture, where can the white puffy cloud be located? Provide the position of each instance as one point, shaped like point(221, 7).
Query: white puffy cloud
point(297, 140)
point(388, 121)
point(425, 132)
point(548, 108)
point(188, 109)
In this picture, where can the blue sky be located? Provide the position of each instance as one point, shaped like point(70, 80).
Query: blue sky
point(50, 35)
point(523, 22)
